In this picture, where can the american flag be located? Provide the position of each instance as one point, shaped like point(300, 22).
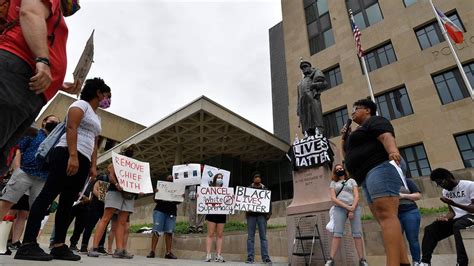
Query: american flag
point(356, 32)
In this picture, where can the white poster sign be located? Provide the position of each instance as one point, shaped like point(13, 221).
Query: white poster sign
point(215, 200)
point(169, 191)
point(253, 200)
point(133, 175)
point(209, 172)
point(187, 174)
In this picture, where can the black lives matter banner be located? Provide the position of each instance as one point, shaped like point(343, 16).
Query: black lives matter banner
point(311, 151)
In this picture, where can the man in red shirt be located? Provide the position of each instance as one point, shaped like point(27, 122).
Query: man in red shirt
point(32, 65)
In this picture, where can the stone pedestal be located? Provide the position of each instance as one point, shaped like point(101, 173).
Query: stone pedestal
point(311, 197)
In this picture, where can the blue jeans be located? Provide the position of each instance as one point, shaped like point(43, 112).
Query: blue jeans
point(163, 223)
point(410, 222)
point(252, 223)
point(340, 218)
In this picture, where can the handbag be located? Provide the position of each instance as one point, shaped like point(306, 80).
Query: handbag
point(330, 225)
point(127, 195)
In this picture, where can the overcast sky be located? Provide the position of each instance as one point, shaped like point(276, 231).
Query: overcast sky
point(158, 56)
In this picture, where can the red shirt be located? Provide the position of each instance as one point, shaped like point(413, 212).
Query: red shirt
point(14, 42)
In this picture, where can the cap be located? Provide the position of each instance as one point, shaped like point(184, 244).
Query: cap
point(303, 63)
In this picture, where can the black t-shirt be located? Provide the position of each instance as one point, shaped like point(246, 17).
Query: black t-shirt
point(168, 207)
point(363, 151)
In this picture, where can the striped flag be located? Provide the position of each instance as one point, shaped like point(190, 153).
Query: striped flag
point(452, 29)
point(356, 32)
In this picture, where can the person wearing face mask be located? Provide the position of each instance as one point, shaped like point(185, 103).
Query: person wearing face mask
point(259, 219)
point(72, 160)
point(345, 194)
point(32, 64)
point(215, 224)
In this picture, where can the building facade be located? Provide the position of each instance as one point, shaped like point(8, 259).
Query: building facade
point(413, 74)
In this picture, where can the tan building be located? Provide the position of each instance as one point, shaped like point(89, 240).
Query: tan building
point(413, 74)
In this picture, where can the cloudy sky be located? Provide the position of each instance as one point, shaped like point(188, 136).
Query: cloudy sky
point(158, 56)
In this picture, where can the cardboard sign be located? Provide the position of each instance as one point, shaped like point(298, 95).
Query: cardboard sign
point(132, 175)
point(85, 61)
point(215, 200)
point(253, 200)
point(169, 191)
point(208, 174)
point(187, 174)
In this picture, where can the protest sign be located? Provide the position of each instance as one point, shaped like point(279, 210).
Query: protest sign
point(169, 191)
point(311, 151)
point(215, 200)
point(209, 172)
point(132, 175)
point(85, 61)
point(253, 200)
point(187, 174)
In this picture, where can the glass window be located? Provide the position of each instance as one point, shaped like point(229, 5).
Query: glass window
point(409, 2)
point(431, 34)
point(333, 76)
point(394, 104)
point(417, 161)
point(465, 144)
point(366, 12)
point(450, 85)
point(379, 57)
point(318, 24)
point(334, 121)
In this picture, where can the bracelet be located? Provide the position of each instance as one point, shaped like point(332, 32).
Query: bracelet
point(43, 60)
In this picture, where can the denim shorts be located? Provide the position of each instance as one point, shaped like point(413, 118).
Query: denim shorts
point(340, 218)
point(163, 223)
point(382, 181)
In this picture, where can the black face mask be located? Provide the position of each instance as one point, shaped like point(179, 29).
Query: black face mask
point(340, 173)
point(50, 126)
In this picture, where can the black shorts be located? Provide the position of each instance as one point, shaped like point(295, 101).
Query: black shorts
point(216, 218)
point(23, 204)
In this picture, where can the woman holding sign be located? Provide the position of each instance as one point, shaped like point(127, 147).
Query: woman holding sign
point(215, 222)
point(72, 160)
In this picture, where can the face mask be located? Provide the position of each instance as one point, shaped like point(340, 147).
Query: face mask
point(105, 103)
point(50, 126)
point(340, 173)
point(69, 7)
point(219, 182)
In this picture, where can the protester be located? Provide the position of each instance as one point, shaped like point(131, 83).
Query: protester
point(345, 195)
point(410, 218)
point(368, 151)
point(32, 65)
point(80, 214)
point(215, 224)
point(259, 219)
point(115, 201)
point(164, 222)
point(71, 162)
point(195, 220)
point(20, 211)
point(459, 195)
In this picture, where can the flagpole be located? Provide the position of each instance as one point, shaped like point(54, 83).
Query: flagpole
point(445, 34)
point(364, 67)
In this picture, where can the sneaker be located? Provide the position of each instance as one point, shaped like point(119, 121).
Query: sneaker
point(151, 254)
point(219, 258)
point(73, 248)
point(170, 256)
point(208, 258)
point(329, 262)
point(249, 260)
point(102, 251)
point(122, 254)
point(32, 252)
point(16, 245)
point(93, 253)
point(7, 253)
point(267, 261)
point(64, 253)
point(424, 264)
point(363, 262)
point(83, 250)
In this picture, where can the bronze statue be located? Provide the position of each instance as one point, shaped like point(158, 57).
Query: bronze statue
point(309, 109)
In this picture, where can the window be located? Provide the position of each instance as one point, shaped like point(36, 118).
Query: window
point(318, 23)
point(431, 34)
point(366, 12)
point(333, 76)
point(394, 104)
point(466, 148)
point(415, 157)
point(408, 3)
point(379, 57)
point(334, 121)
point(450, 85)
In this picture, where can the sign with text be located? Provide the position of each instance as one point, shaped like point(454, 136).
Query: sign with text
point(170, 191)
point(311, 151)
point(132, 175)
point(85, 61)
point(215, 200)
point(187, 174)
point(251, 199)
point(209, 172)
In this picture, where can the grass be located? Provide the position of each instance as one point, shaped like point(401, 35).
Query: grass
point(182, 227)
point(423, 212)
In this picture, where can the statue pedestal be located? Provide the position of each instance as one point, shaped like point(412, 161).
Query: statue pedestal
point(311, 197)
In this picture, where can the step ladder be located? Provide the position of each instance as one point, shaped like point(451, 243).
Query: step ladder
point(302, 235)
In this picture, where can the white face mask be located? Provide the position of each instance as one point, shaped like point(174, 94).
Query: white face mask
point(219, 182)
